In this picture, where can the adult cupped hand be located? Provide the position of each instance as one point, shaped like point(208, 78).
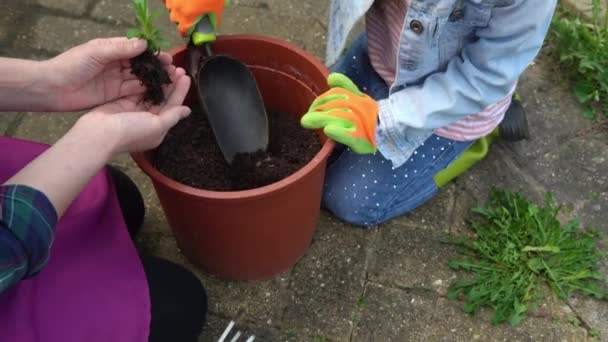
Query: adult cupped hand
point(95, 73)
point(128, 126)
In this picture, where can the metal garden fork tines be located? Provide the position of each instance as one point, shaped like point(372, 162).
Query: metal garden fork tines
point(235, 337)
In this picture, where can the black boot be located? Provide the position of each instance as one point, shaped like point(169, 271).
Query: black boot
point(178, 301)
point(514, 127)
point(130, 200)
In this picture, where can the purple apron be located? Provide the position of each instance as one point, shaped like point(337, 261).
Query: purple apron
point(94, 288)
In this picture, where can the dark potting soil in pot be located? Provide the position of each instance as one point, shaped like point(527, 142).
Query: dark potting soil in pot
point(190, 155)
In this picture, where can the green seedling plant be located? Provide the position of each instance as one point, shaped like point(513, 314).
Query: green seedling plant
point(147, 66)
point(146, 29)
point(519, 248)
point(582, 47)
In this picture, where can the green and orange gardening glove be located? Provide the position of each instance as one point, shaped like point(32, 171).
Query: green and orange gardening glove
point(188, 13)
point(346, 115)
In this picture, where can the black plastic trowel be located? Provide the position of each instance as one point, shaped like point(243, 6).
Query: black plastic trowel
point(228, 94)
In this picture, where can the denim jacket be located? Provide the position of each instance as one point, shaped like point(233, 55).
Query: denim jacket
point(456, 58)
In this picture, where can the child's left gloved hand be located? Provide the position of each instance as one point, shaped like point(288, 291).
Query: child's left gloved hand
point(187, 13)
point(346, 115)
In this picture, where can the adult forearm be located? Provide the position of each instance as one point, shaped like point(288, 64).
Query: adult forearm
point(66, 167)
point(21, 85)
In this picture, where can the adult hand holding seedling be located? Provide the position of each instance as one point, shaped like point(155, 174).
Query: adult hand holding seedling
point(346, 115)
point(132, 126)
point(98, 72)
point(81, 78)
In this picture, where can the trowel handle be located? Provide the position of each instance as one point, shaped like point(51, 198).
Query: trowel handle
point(204, 33)
point(208, 50)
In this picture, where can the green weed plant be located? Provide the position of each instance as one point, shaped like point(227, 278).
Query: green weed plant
point(582, 47)
point(518, 248)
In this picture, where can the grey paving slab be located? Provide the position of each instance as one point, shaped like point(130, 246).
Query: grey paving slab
point(553, 113)
point(327, 284)
point(11, 15)
point(117, 11)
point(575, 174)
point(74, 7)
point(435, 215)
point(594, 313)
point(461, 212)
point(412, 258)
point(45, 128)
point(498, 170)
point(57, 34)
point(161, 244)
point(216, 326)
point(260, 302)
point(317, 9)
point(550, 322)
point(583, 6)
point(7, 120)
point(395, 315)
point(305, 32)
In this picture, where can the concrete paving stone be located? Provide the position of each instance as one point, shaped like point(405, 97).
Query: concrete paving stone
point(435, 215)
point(6, 121)
point(553, 113)
point(391, 315)
point(259, 302)
point(57, 34)
point(498, 170)
point(216, 326)
point(575, 174)
point(75, 7)
point(409, 257)
point(594, 313)
point(118, 11)
point(396, 315)
point(554, 118)
point(45, 128)
point(461, 213)
point(328, 282)
point(160, 244)
point(305, 32)
point(550, 322)
point(24, 53)
point(583, 6)
point(11, 14)
point(317, 9)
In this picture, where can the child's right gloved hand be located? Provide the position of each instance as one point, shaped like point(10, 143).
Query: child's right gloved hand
point(187, 13)
point(346, 115)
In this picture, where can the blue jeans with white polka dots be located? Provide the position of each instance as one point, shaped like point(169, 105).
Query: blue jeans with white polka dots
point(365, 190)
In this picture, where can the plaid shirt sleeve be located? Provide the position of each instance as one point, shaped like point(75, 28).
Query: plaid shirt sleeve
point(27, 228)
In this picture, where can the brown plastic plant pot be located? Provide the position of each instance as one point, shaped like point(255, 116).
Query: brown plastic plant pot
point(254, 234)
